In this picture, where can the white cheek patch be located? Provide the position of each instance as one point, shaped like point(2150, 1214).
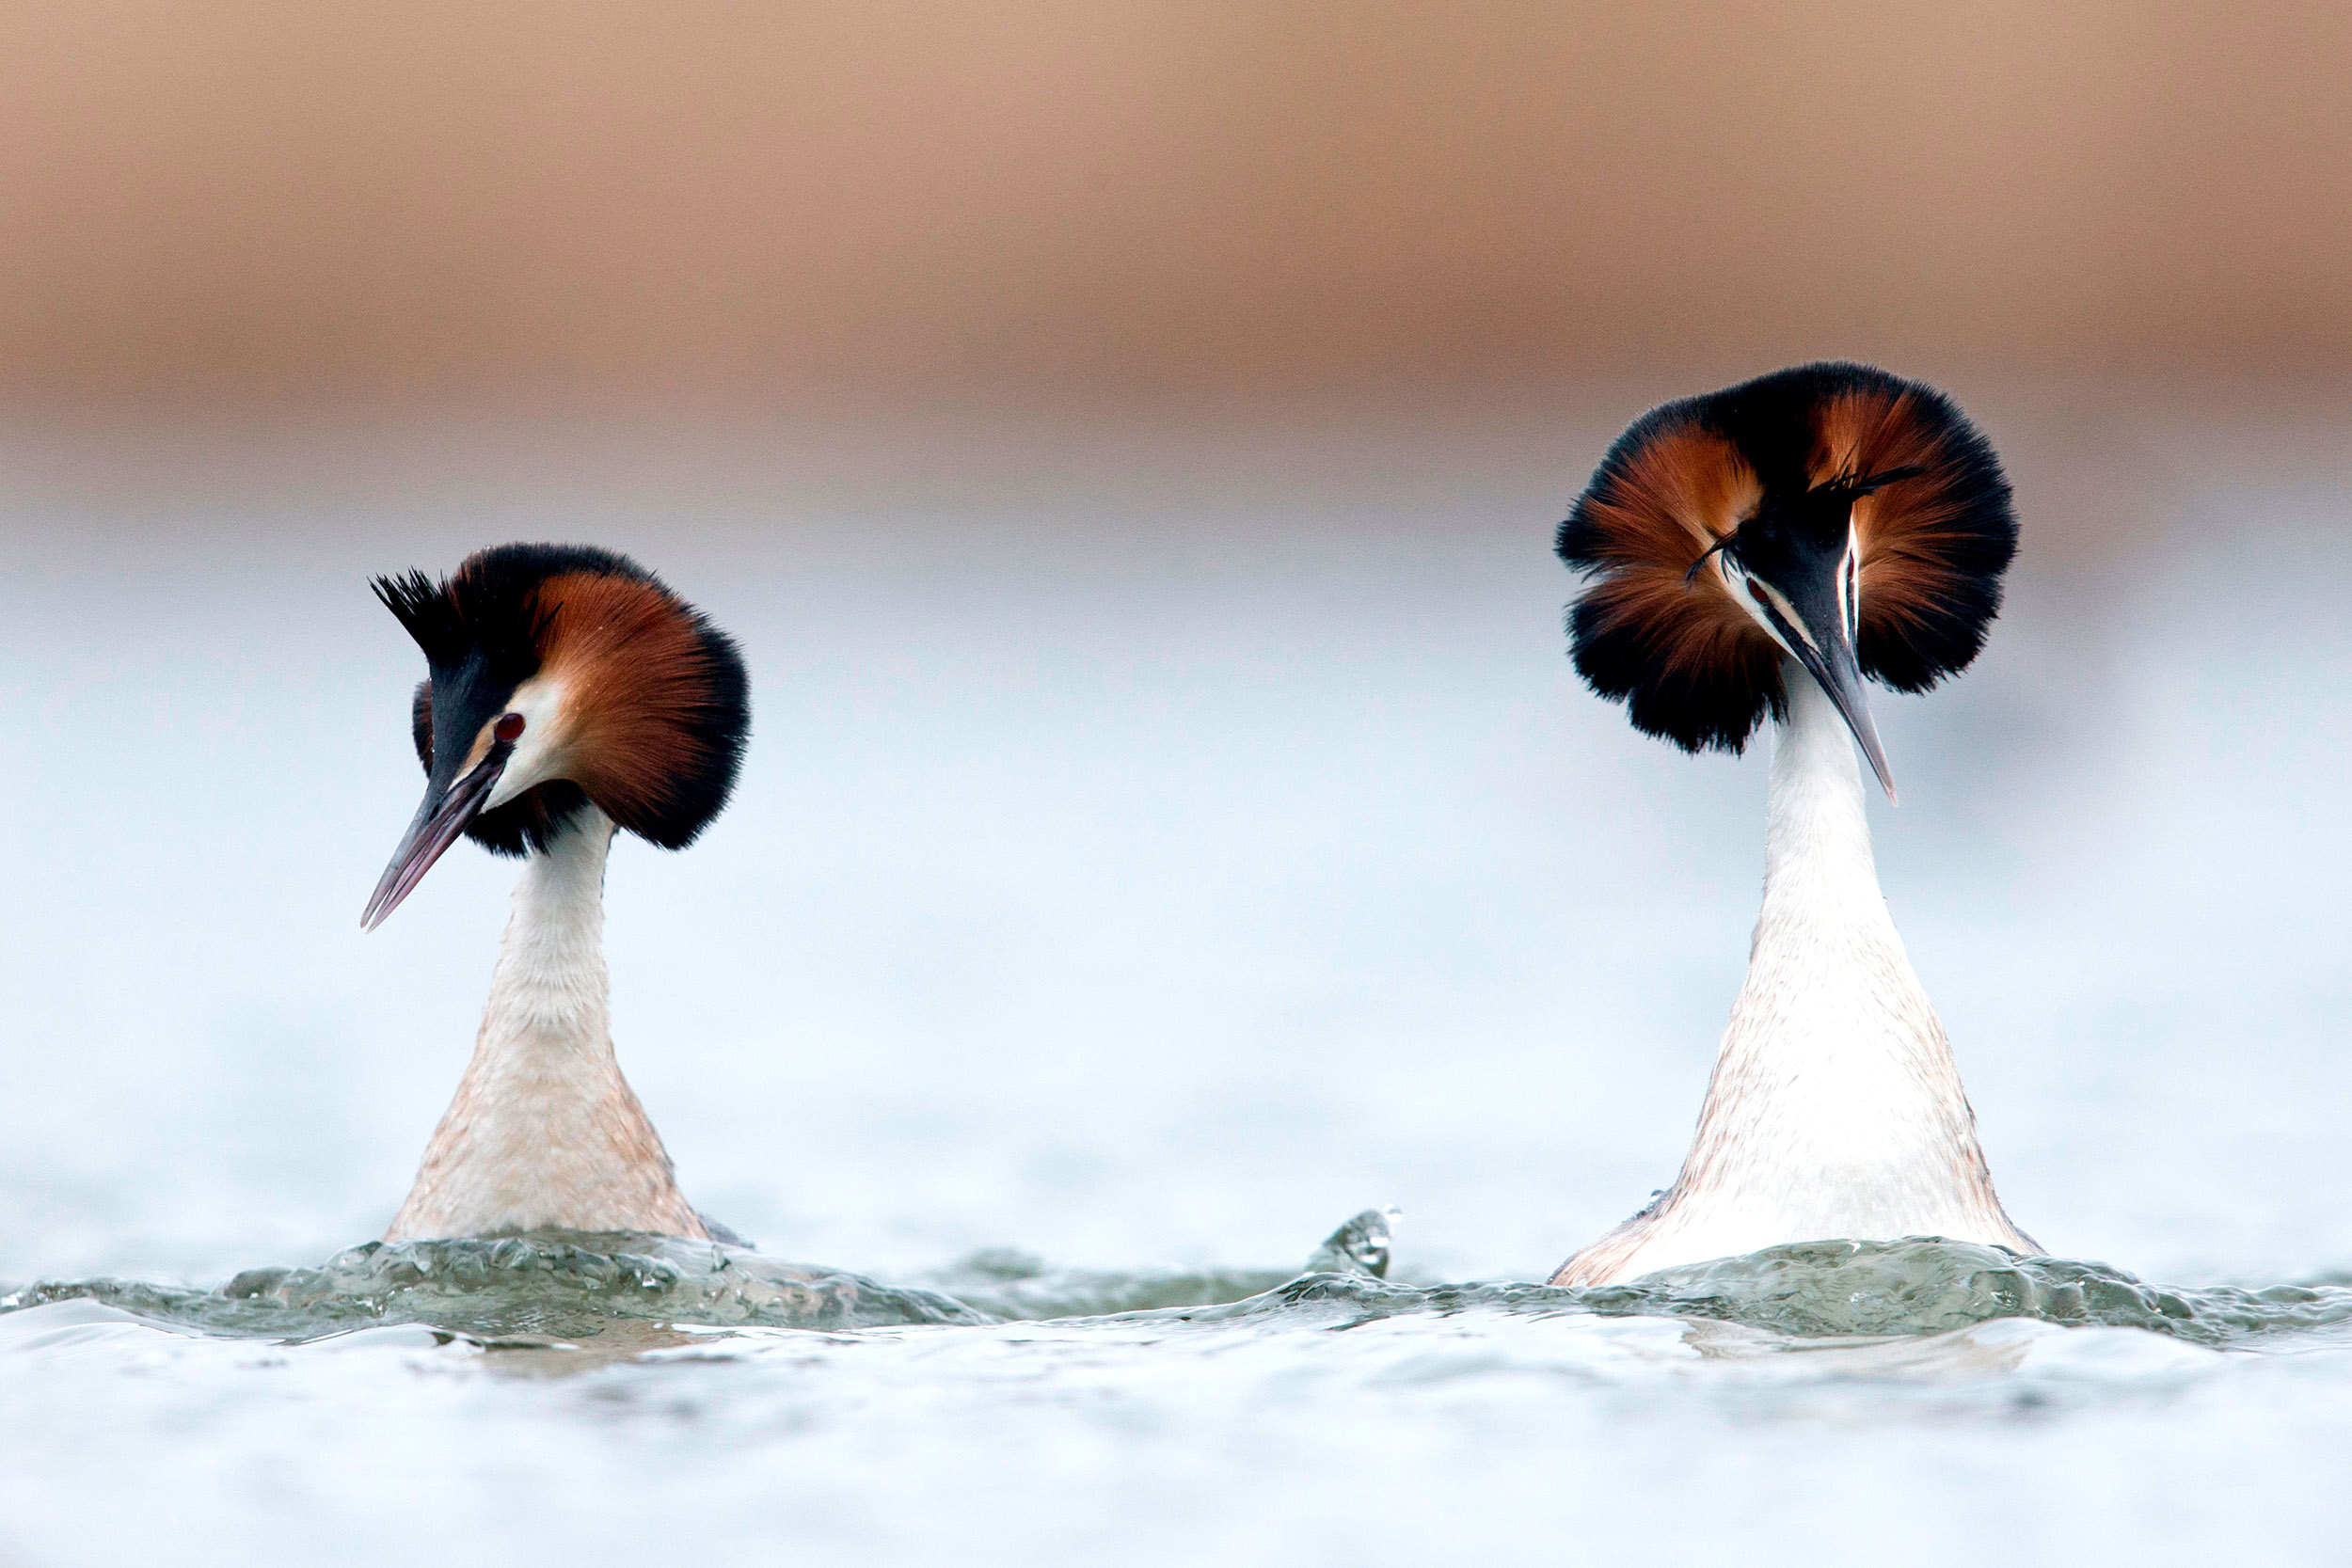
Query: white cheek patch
point(540, 752)
point(1850, 589)
point(1752, 594)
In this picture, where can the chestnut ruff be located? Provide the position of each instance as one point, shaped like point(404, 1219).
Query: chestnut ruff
point(1674, 647)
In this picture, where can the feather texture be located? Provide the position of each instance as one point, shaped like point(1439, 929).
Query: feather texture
point(1931, 512)
point(657, 697)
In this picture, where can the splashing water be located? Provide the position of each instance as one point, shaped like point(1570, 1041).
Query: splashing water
point(551, 1284)
point(548, 1286)
point(554, 1285)
point(1844, 1290)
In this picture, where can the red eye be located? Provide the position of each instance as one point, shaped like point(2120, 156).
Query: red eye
point(509, 728)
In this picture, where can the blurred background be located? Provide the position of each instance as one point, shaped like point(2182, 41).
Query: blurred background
point(1127, 440)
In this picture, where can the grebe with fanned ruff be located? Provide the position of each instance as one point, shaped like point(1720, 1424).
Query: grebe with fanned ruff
point(1756, 553)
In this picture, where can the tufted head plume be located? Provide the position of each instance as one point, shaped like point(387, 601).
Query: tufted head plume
point(561, 675)
point(1849, 519)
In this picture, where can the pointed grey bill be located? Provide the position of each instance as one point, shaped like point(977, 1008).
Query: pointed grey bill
point(1820, 644)
point(438, 821)
point(1839, 672)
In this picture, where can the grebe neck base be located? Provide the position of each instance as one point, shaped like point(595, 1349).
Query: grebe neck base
point(544, 1130)
point(1835, 1109)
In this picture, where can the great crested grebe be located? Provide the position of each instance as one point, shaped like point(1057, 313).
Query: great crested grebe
point(1759, 550)
point(570, 694)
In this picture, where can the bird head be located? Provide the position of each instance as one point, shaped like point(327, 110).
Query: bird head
point(1851, 520)
point(561, 676)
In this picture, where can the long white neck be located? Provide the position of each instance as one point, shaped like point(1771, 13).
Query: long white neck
point(1835, 1109)
point(544, 1130)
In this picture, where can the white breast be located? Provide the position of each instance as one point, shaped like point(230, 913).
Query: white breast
point(1835, 1109)
point(544, 1130)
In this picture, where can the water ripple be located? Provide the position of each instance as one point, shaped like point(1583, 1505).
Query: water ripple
point(555, 1287)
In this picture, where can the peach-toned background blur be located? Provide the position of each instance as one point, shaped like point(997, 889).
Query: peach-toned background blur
point(880, 204)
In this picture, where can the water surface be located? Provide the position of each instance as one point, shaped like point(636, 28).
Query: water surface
point(597, 1395)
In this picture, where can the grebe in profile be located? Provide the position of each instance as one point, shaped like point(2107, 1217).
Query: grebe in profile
point(570, 694)
point(1760, 550)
